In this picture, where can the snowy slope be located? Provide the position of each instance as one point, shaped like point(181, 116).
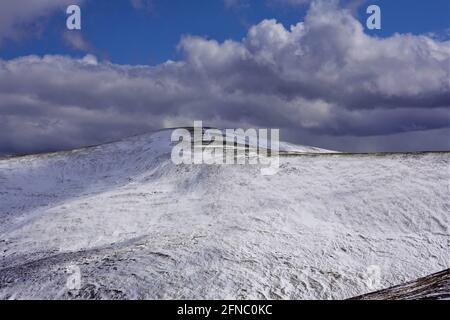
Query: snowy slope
point(137, 226)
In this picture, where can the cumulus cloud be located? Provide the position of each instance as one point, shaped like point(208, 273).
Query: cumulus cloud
point(323, 82)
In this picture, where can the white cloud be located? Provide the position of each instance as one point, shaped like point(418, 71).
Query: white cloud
point(16, 16)
point(235, 3)
point(239, 3)
point(296, 2)
point(143, 4)
point(76, 41)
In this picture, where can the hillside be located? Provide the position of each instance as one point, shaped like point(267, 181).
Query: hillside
point(137, 226)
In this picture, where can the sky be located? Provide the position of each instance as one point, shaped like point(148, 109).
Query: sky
point(310, 68)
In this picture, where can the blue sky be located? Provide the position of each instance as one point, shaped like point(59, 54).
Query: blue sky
point(150, 34)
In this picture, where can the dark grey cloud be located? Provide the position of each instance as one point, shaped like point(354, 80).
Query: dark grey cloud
point(324, 82)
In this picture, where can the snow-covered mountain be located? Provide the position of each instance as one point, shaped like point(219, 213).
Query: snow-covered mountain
point(133, 225)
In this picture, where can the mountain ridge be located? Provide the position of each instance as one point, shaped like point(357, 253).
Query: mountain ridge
point(138, 226)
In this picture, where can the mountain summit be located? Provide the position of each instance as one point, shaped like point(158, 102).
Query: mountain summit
point(125, 222)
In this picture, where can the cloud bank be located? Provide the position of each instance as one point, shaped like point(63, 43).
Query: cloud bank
point(323, 82)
